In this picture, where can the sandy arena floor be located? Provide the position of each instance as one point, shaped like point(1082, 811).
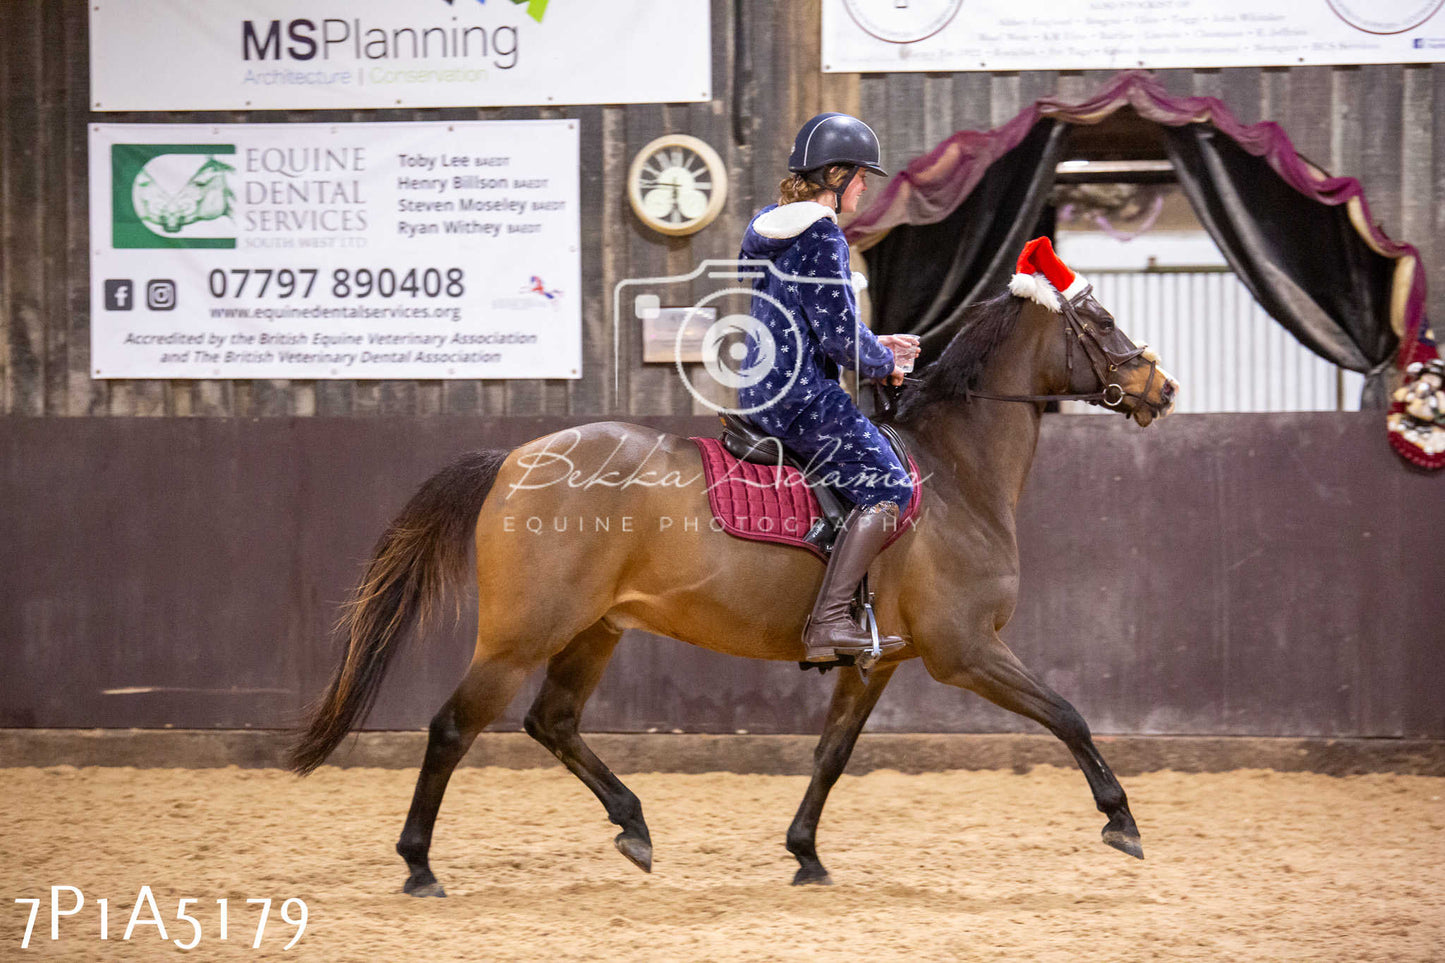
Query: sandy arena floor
point(1248, 865)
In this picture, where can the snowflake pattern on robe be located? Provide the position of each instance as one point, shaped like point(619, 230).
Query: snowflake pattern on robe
point(801, 401)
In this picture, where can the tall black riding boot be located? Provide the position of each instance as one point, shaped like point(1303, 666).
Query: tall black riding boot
point(831, 630)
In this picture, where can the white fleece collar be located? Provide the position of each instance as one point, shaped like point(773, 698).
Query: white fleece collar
point(790, 220)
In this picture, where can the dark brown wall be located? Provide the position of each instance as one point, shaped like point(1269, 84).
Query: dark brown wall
point(1378, 123)
point(1216, 574)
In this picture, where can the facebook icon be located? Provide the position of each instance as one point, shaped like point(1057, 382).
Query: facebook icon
point(119, 295)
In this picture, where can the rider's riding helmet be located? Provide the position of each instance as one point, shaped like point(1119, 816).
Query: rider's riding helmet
point(834, 139)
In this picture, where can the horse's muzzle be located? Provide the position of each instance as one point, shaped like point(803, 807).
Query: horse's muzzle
point(1147, 409)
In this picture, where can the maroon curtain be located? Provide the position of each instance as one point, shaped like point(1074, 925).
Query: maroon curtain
point(944, 229)
point(1302, 260)
point(921, 277)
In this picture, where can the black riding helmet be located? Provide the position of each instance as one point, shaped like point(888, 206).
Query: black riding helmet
point(834, 139)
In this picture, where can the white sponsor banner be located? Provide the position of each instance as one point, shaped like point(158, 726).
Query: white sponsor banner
point(407, 250)
point(297, 54)
point(901, 35)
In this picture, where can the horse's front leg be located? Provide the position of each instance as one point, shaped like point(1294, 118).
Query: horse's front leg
point(994, 672)
point(852, 702)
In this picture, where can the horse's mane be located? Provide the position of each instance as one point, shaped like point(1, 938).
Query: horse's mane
point(983, 327)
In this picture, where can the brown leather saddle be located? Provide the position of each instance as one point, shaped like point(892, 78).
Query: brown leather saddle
point(745, 442)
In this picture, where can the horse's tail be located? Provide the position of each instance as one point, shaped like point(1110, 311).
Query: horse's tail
point(423, 550)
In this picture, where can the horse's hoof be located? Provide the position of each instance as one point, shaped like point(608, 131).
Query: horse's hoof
point(638, 851)
point(424, 889)
point(1124, 842)
point(812, 877)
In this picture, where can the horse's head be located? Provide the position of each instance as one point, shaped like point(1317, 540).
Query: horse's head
point(1061, 344)
point(1095, 358)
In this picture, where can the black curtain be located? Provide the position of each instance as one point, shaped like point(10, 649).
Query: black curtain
point(921, 276)
point(1303, 261)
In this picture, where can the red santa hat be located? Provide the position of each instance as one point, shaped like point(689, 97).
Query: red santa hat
point(1041, 273)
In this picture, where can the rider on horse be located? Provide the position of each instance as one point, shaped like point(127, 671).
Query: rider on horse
point(799, 401)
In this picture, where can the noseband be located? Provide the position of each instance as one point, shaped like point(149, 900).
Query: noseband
point(1106, 350)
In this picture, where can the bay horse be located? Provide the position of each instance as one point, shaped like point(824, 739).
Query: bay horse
point(563, 600)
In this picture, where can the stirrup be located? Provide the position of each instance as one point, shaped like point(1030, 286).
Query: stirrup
point(863, 656)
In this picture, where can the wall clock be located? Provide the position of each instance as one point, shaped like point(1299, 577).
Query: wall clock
point(677, 185)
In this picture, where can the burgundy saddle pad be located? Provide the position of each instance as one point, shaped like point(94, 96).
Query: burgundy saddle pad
point(762, 503)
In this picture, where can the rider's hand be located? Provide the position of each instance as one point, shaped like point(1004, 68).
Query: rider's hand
point(894, 342)
point(905, 350)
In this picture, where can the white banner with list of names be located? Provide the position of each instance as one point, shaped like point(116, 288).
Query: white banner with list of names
point(950, 35)
point(336, 251)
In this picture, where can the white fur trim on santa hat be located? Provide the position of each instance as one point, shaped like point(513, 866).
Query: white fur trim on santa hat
point(1040, 290)
point(790, 220)
point(1077, 288)
point(1036, 288)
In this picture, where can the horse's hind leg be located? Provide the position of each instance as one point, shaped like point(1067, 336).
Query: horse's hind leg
point(484, 692)
point(572, 675)
point(994, 672)
point(852, 702)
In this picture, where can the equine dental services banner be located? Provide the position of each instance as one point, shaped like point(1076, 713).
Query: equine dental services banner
point(401, 250)
point(303, 54)
point(903, 35)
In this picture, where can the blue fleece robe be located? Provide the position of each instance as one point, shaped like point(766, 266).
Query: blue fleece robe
point(814, 331)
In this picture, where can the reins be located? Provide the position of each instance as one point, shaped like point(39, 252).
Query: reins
point(1101, 397)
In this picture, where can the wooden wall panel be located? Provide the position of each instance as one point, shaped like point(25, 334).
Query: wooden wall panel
point(1377, 123)
point(1434, 231)
point(83, 394)
point(1417, 158)
point(1381, 119)
point(23, 238)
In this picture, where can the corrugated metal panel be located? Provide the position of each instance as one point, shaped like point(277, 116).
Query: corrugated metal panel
point(1225, 350)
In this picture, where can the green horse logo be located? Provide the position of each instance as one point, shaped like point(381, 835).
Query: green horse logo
point(172, 195)
point(204, 197)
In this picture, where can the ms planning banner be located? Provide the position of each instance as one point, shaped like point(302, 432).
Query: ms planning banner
point(311, 54)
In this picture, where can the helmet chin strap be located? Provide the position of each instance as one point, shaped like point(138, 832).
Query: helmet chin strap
point(819, 177)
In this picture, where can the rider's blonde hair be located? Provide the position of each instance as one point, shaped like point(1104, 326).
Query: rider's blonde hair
point(795, 188)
